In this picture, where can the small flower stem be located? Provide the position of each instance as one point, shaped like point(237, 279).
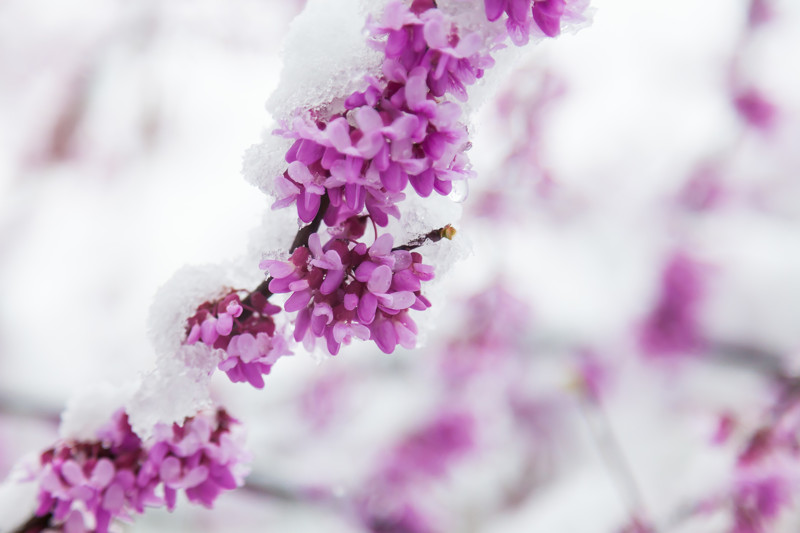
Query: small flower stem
point(612, 454)
point(300, 239)
point(35, 524)
point(436, 235)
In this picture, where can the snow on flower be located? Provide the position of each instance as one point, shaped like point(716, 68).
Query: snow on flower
point(249, 339)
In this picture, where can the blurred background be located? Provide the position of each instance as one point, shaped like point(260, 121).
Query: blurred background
point(624, 323)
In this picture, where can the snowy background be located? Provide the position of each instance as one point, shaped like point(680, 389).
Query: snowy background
point(599, 156)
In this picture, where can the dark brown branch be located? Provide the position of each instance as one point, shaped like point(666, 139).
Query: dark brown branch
point(300, 239)
point(36, 524)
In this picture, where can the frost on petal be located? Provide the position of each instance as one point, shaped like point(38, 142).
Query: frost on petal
point(179, 299)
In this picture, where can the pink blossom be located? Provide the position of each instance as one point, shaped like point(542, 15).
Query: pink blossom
point(346, 290)
point(83, 486)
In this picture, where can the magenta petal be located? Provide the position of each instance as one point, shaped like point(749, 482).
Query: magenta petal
point(72, 472)
point(518, 31)
point(435, 33)
point(315, 245)
point(253, 375)
point(494, 8)
point(394, 178)
point(299, 173)
point(103, 520)
point(435, 145)
point(333, 345)
point(406, 337)
point(417, 89)
point(364, 271)
point(194, 335)
point(333, 279)
point(309, 152)
point(550, 25)
point(551, 8)
point(338, 132)
point(170, 469)
point(368, 119)
point(355, 195)
point(196, 475)
point(443, 187)
point(402, 300)
point(369, 145)
point(277, 269)
point(291, 154)
point(377, 212)
point(298, 300)
point(224, 324)
point(307, 206)
point(382, 246)
point(405, 280)
point(518, 9)
point(208, 331)
point(421, 303)
point(396, 43)
point(379, 280)
point(222, 476)
point(248, 347)
point(205, 493)
point(103, 473)
point(384, 335)
point(301, 324)
point(402, 127)
point(402, 261)
point(74, 522)
point(350, 301)
point(114, 497)
point(227, 365)
point(367, 307)
point(423, 183)
point(329, 157)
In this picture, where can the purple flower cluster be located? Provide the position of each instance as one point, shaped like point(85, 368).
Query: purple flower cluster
point(248, 339)
point(758, 501)
point(86, 485)
point(755, 109)
point(484, 345)
point(396, 132)
point(346, 167)
point(429, 452)
point(673, 324)
point(345, 289)
point(546, 14)
point(390, 500)
point(766, 475)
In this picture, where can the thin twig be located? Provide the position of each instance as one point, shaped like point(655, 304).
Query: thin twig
point(612, 454)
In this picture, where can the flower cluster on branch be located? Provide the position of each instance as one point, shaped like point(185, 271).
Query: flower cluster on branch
point(346, 169)
point(85, 485)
